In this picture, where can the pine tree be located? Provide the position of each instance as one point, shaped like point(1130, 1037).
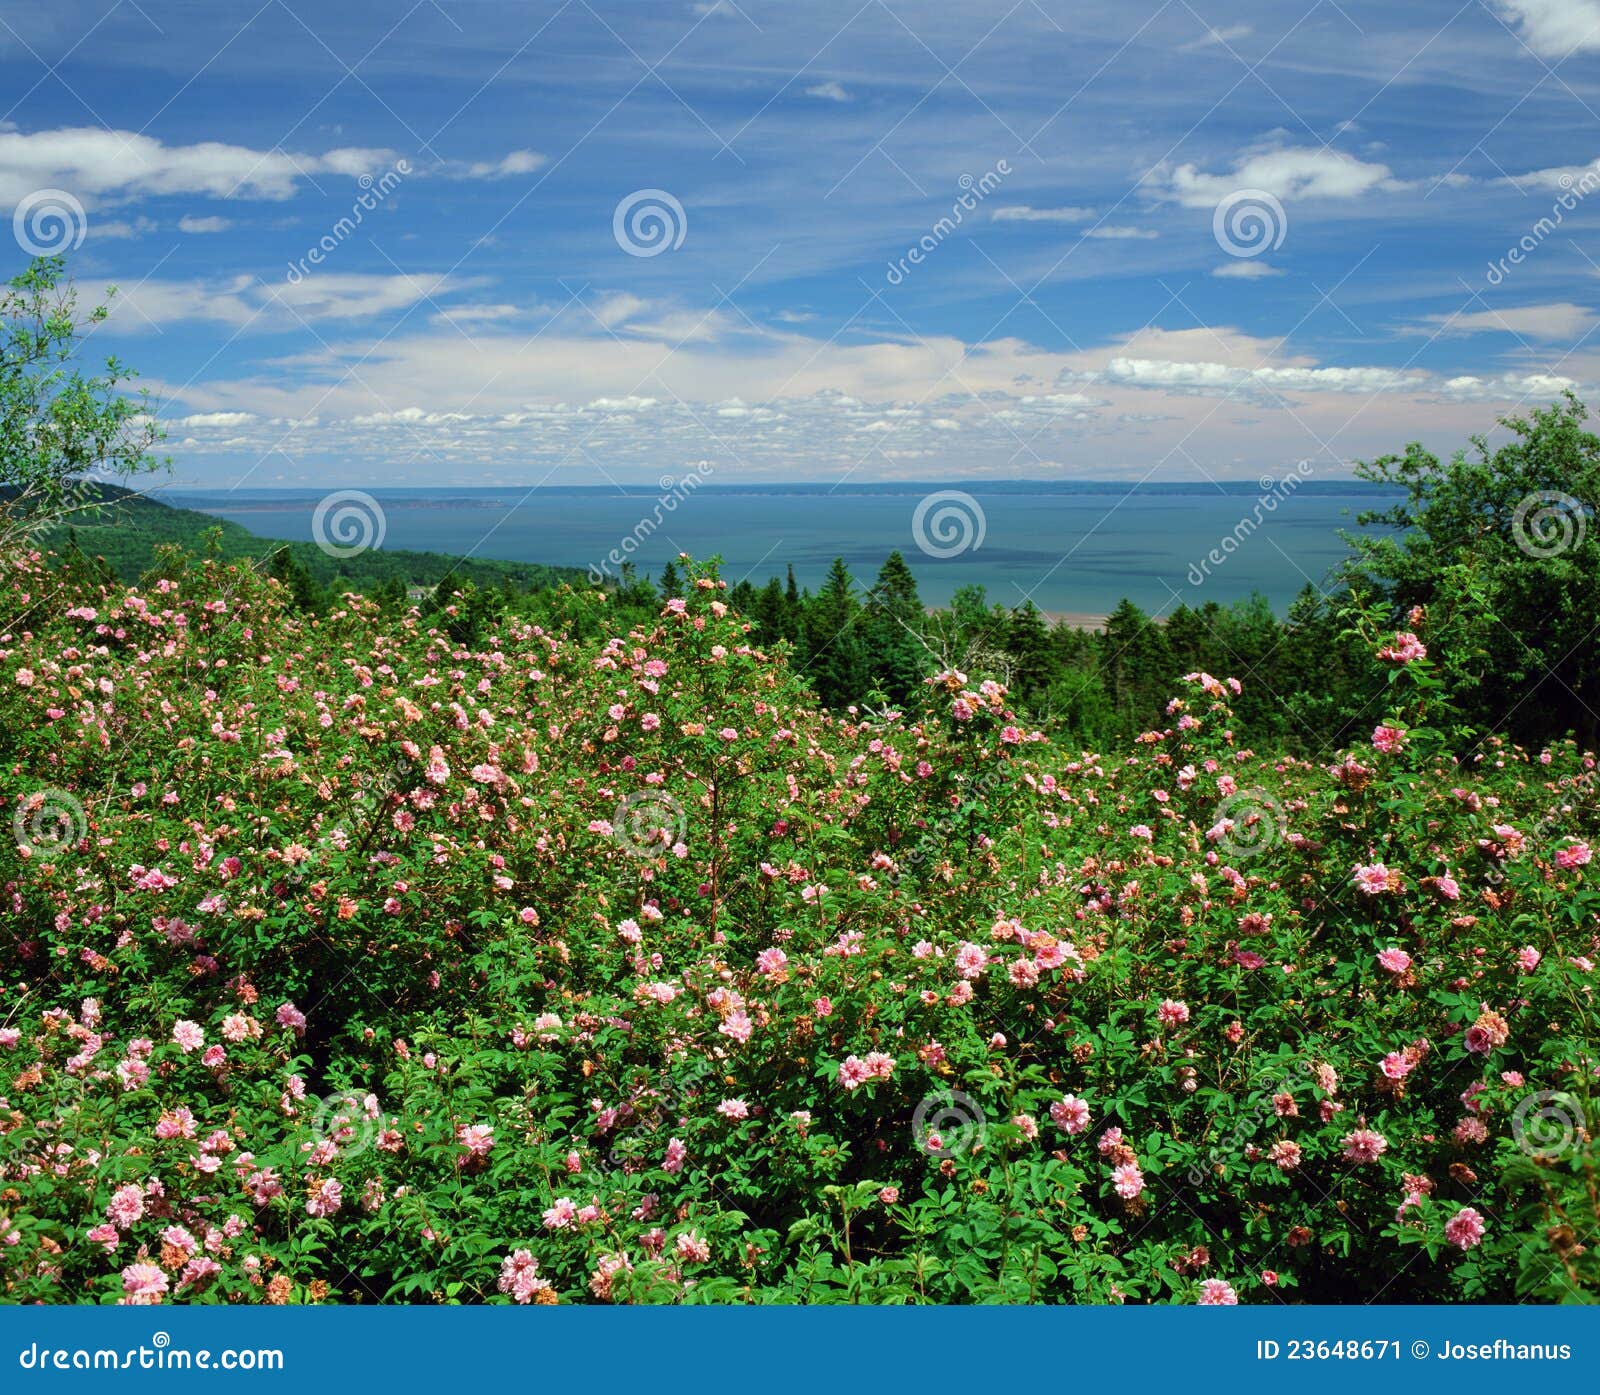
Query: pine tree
point(1028, 641)
point(893, 627)
point(836, 656)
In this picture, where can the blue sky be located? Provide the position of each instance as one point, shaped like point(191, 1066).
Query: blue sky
point(1077, 306)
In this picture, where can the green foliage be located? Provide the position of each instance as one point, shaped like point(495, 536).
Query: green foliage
point(356, 958)
point(58, 427)
point(1500, 549)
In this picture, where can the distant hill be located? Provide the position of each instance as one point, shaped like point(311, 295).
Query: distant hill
point(129, 528)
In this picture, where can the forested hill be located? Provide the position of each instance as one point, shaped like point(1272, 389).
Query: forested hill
point(128, 531)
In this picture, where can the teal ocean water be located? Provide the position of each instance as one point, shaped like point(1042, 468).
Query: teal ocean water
point(1075, 549)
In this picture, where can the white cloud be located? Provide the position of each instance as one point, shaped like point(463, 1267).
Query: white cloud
point(1559, 177)
point(1223, 379)
point(117, 229)
point(1560, 320)
point(829, 92)
point(1117, 233)
point(224, 419)
point(781, 404)
point(1555, 28)
point(96, 164)
point(1021, 213)
point(1298, 172)
point(91, 162)
point(517, 162)
point(246, 302)
point(483, 314)
point(189, 224)
point(1244, 271)
point(1536, 388)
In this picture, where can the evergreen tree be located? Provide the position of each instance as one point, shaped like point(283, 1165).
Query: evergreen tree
point(1028, 640)
point(836, 654)
point(284, 566)
point(893, 629)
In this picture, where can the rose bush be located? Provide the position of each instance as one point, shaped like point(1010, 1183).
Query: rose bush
point(344, 962)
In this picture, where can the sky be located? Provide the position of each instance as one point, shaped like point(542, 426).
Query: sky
point(471, 242)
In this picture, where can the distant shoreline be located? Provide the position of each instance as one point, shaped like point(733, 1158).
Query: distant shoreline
point(1075, 619)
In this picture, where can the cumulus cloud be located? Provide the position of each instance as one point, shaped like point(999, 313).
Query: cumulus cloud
point(1291, 172)
point(96, 164)
point(1508, 387)
point(1554, 28)
point(189, 224)
point(91, 162)
point(216, 419)
point(829, 92)
point(777, 403)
